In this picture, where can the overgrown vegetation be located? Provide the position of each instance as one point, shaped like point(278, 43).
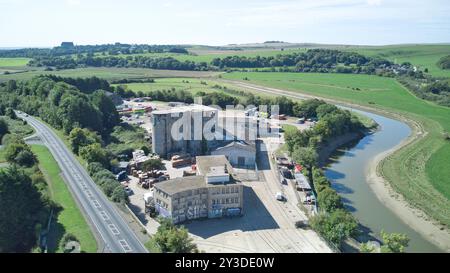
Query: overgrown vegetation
point(106, 180)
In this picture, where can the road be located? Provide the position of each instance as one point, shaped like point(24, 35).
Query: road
point(115, 233)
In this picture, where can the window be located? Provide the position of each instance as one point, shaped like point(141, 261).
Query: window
point(228, 190)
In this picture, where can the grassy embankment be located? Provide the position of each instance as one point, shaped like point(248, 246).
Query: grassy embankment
point(70, 219)
point(417, 170)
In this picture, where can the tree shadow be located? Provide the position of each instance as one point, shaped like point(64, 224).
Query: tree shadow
point(140, 214)
point(341, 188)
point(334, 175)
point(56, 233)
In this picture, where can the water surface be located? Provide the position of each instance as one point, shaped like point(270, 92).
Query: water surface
point(348, 176)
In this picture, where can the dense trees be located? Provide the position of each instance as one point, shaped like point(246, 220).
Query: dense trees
point(18, 152)
point(431, 89)
point(95, 153)
point(336, 226)
point(394, 242)
point(89, 50)
point(390, 243)
point(62, 105)
point(332, 122)
point(306, 156)
point(444, 62)
point(316, 60)
point(172, 239)
point(140, 61)
point(22, 211)
point(79, 138)
point(107, 182)
point(3, 129)
point(104, 104)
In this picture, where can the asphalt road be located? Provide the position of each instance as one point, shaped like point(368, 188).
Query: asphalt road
point(117, 236)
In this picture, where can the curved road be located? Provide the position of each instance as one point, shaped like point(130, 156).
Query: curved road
point(115, 233)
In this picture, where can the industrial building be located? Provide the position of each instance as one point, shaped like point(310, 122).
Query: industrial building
point(180, 129)
point(213, 192)
point(241, 154)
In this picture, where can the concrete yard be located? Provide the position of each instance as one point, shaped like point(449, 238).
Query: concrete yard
point(266, 226)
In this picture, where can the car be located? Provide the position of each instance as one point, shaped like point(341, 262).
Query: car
point(280, 196)
point(286, 173)
point(128, 190)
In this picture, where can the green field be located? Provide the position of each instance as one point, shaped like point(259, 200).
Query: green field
point(192, 85)
point(13, 62)
point(410, 169)
point(70, 218)
point(423, 56)
point(109, 73)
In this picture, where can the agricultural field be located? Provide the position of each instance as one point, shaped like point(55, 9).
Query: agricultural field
point(109, 73)
point(13, 62)
point(192, 85)
point(412, 170)
point(70, 219)
point(423, 56)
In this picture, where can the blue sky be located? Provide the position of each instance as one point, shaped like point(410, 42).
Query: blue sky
point(216, 22)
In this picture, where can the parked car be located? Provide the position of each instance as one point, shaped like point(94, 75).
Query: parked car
point(286, 173)
point(280, 196)
point(122, 176)
point(128, 190)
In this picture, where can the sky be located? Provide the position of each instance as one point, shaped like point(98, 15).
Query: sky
point(220, 22)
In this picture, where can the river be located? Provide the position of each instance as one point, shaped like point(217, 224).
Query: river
point(348, 173)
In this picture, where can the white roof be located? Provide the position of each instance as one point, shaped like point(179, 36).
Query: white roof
point(184, 108)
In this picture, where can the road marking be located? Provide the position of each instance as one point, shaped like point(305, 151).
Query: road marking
point(89, 193)
point(126, 247)
point(113, 229)
point(104, 215)
point(96, 203)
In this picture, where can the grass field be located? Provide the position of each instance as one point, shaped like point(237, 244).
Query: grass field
point(70, 218)
point(410, 169)
point(13, 62)
point(192, 85)
point(110, 73)
point(423, 56)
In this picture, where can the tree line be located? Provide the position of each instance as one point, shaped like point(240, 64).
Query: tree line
point(25, 203)
point(105, 49)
